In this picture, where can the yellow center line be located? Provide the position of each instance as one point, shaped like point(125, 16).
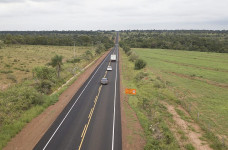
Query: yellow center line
point(105, 74)
point(90, 116)
point(83, 130)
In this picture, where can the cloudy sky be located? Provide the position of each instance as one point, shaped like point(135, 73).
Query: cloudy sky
point(113, 14)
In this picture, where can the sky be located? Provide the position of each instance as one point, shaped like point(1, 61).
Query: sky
point(113, 14)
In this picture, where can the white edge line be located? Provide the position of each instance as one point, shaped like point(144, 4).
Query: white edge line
point(114, 113)
point(73, 104)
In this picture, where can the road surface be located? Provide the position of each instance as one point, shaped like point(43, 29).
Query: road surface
point(92, 119)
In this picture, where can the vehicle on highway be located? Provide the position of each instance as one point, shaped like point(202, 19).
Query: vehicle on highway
point(104, 81)
point(109, 68)
point(113, 57)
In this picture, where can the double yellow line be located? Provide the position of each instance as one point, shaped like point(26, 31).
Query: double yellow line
point(91, 113)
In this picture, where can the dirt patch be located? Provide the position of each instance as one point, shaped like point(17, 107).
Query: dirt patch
point(131, 129)
point(33, 131)
point(191, 129)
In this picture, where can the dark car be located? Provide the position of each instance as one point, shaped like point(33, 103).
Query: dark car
point(104, 81)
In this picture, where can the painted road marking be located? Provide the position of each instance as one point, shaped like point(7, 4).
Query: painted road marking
point(74, 104)
point(114, 113)
point(89, 117)
point(92, 109)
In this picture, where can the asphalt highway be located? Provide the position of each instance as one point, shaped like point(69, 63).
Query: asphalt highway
point(91, 120)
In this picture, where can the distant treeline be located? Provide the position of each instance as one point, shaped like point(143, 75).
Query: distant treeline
point(192, 40)
point(61, 38)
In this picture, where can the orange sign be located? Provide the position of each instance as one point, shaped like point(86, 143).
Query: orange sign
point(130, 91)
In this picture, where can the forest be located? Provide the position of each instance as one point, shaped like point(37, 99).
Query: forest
point(59, 38)
point(191, 40)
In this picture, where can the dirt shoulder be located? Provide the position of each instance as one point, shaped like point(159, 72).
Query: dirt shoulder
point(131, 129)
point(33, 131)
point(190, 129)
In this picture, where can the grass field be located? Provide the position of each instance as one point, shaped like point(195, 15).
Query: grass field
point(17, 61)
point(20, 96)
point(152, 115)
point(200, 82)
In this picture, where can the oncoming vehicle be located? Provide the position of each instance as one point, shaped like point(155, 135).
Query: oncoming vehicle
point(109, 68)
point(104, 81)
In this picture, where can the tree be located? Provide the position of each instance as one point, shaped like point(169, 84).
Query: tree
point(56, 61)
point(88, 55)
point(100, 48)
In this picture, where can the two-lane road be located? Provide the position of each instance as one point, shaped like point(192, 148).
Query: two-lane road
point(91, 120)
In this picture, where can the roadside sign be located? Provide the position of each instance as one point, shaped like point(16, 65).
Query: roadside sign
point(130, 91)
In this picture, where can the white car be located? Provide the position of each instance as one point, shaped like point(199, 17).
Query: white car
point(109, 68)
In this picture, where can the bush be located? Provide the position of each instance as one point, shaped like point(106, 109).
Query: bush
point(139, 64)
point(126, 49)
point(189, 147)
point(133, 57)
point(19, 98)
point(129, 53)
point(140, 76)
point(44, 86)
point(75, 60)
point(88, 55)
point(100, 48)
point(6, 71)
point(44, 73)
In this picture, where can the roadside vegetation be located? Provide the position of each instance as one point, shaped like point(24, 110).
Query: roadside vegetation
point(150, 112)
point(29, 74)
point(200, 87)
point(194, 83)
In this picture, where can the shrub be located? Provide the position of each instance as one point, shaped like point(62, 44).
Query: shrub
point(88, 55)
point(159, 84)
point(129, 53)
point(44, 73)
point(19, 98)
point(140, 76)
point(7, 66)
point(139, 64)
point(189, 147)
point(100, 48)
point(126, 49)
point(75, 60)
point(44, 86)
point(6, 72)
point(133, 57)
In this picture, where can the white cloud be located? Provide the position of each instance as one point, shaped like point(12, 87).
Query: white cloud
point(112, 14)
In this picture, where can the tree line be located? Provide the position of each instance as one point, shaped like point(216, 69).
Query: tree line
point(192, 40)
point(60, 38)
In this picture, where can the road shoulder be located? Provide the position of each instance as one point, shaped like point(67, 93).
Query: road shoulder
point(132, 132)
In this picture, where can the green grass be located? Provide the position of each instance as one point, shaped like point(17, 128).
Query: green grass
point(9, 130)
point(152, 115)
point(195, 79)
point(21, 102)
point(19, 60)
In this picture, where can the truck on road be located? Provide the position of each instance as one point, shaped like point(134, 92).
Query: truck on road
point(113, 57)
